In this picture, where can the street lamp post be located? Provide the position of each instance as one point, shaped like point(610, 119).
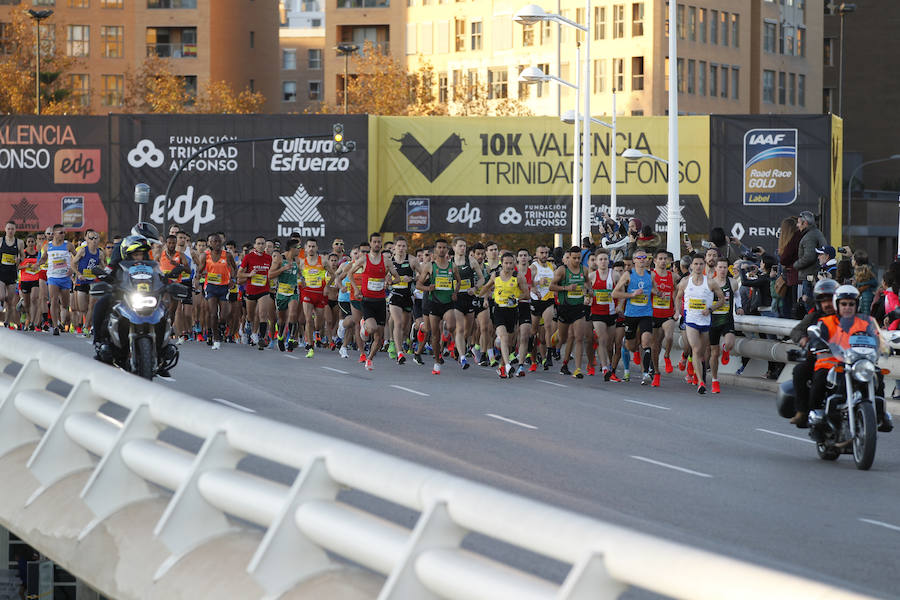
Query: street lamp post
point(38, 16)
point(853, 176)
point(844, 9)
point(346, 49)
point(532, 75)
point(570, 116)
point(674, 205)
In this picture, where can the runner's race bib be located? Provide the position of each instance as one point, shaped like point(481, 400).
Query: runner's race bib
point(697, 304)
point(603, 296)
point(8, 259)
point(88, 274)
point(662, 302)
point(259, 280)
point(442, 283)
point(286, 289)
point(639, 300)
point(214, 278)
point(375, 285)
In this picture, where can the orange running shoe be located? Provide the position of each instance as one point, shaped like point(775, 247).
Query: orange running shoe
point(690, 368)
point(636, 357)
point(715, 387)
point(613, 377)
point(655, 380)
point(362, 358)
point(532, 368)
point(590, 371)
point(669, 368)
point(725, 358)
point(683, 362)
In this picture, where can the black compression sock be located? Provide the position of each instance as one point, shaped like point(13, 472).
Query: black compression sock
point(647, 360)
point(705, 367)
point(263, 325)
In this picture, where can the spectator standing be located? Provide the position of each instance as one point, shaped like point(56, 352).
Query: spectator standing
point(788, 246)
point(844, 272)
point(806, 264)
point(866, 284)
point(729, 248)
point(827, 263)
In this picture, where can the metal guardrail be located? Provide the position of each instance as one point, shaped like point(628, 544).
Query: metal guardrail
point(306, 523)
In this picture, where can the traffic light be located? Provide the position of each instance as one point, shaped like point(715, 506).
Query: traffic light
point(340, 146)
point(337, 131)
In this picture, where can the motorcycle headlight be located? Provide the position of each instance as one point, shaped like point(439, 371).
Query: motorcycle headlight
point(864, 370)
point(139, 301)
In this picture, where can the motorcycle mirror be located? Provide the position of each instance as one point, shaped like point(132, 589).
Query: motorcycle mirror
point(100, 288)
point(813, 332)
point(142, 193)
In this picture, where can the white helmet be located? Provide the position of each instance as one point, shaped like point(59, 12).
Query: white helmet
point(844, 292)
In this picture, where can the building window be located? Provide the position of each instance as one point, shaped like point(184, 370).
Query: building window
point(801, 42)
point(288, 60)
point(78, 40)
point(72, 3)
point(112, 3)
point(6, 38)
point(315, 22)
point(545, 31)
point(701, 78)
point(528, 35)
point(112, 40)
point(680, 67)
point(691, 75)
point(713, 27)
point(637, 19)
point(769, 37)
point(723, 22)
point(735, 82)
point(252, 85)
point(497, 83)
point(692, 23)
point(314, 59)
point(701, 23)
point(713, 80)
point(618, 21)
point(782, 87)
point(724, 79)
point(801, 90)
point(637, 113)
point(113, 87)
point(680, 21)
point(579, 18)
point(541, 88)
point(81, 89)
point(365, 3)
point(735, 30)
point(289, 91)
point(828, 54)
point(599, 75)
point(315, 90)
point(476, 35)
point(252, 39)
point(443, 92)
point(618, 74)
point(460, 35)
point(769, 86)
point(171, 3)
point(599, 22)
point(792, 89)
point(637, 72)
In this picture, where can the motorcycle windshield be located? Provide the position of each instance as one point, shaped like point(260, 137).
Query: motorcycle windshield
point(140, 275)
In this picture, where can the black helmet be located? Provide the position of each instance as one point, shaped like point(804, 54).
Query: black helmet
point(825, 289)
point(132, 244)
point(147, 231)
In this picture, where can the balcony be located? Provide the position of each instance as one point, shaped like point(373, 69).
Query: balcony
point(363, 3)
point(383, 48)
point(172, 50)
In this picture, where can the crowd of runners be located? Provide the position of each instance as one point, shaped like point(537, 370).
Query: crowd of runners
point(475, 305)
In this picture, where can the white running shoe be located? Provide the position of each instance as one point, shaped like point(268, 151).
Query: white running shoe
point(217, 346)
point(343, 352)
point(254, 338)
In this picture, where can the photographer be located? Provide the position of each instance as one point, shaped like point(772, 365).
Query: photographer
point(827, 263)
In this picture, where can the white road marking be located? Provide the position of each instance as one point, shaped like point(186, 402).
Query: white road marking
point(880, 524)
point(793, 437)
point(552, 383)
point(233, 405)
point(668, 466)
point(336, 370)
point(519, 423)
point(406, 389)
point(645, 404)
point(292, 356)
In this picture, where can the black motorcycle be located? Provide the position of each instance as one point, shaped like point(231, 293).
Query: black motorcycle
point(139, 330)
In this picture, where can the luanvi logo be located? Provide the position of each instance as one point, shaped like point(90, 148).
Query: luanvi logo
point(429, 164)
point(301, 209)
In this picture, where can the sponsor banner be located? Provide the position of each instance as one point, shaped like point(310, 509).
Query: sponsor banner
point(770, 166)
point(36, 211)
point(480, 175)
point(766, 168)
point(267, 187)
point(837, 180)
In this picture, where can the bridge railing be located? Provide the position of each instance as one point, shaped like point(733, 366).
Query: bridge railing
point(305, 524)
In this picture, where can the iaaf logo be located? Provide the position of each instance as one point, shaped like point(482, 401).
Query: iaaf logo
point(301, 208)
point(183, 210)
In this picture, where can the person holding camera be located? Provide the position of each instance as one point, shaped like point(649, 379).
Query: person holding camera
point(806, 264)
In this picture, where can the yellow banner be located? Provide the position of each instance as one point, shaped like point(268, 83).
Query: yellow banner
point(837, 180)
point(491, 174)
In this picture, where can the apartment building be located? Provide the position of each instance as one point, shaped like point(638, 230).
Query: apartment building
point(302, 42)
point(735, 56)
point(206, 40)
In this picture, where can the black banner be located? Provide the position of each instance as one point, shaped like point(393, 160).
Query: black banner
point(271, 188)
point(766, 168)
point(54, 170)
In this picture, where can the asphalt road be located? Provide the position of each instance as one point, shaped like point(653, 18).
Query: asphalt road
point(722, 472)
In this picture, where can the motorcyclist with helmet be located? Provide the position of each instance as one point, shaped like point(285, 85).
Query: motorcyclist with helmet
point(837, 329)
point(136, 246)
point(803, 372)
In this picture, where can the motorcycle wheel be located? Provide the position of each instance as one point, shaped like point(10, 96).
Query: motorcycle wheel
point(864, 442)
point(144, 358)
point(826, 453)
